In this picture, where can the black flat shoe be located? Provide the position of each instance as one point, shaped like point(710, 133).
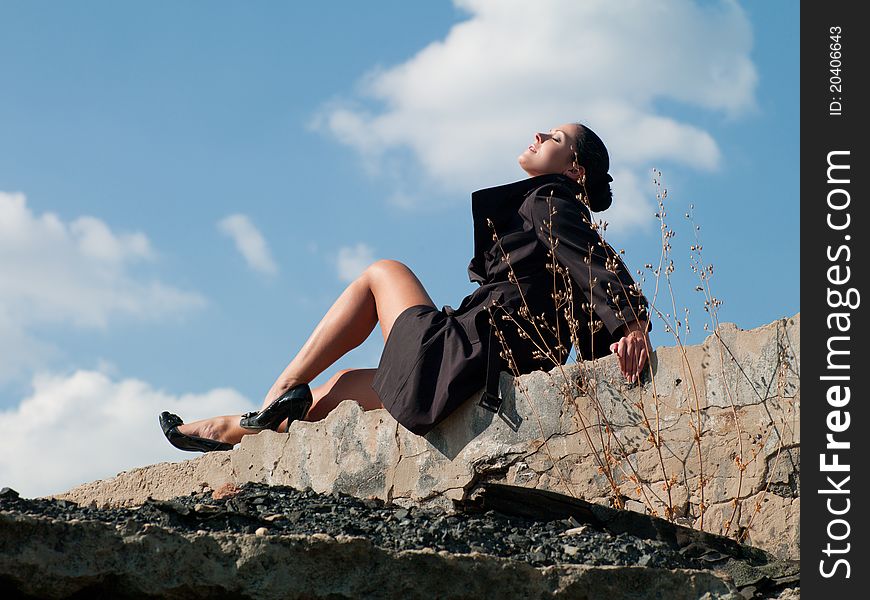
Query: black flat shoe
point(169, 424)
point(291, 405)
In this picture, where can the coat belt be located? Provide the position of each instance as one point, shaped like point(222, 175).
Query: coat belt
point(490, 399)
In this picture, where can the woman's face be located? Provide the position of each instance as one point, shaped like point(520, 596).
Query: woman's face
point(551, 152)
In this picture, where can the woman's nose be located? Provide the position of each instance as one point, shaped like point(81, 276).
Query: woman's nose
point(539, 137)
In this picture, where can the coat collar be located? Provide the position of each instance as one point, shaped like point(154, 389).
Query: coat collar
point(501, 202)
point(495, 201)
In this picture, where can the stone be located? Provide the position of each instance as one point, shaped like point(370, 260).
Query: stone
point(582, 431)
point(8, 492)
point(46, 558)
point(635, 506)
point(227, 490)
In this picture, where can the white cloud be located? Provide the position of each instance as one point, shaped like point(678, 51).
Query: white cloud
point(77, 273)
point(352, 261)
point(20, 350)
point(80, 427)
point(95, 240)
point(249, 242)
point(467, 105)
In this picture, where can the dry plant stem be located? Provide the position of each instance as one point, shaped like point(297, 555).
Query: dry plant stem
point(655, 439)
point(516, 372)
point(604, 426)
point(546, 353)
point(604, 422)
point(656, 398)
point(782, 364)
point(508, 355)
point(697, 410)
point(697, 425)
point(667, 481)
point(711, 305)
point(657, 404)
point(675, 329)
point(513, 279)
point(780, 391)
point(782, 367)
point(608, 451)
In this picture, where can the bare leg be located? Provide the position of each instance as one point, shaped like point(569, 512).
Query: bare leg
point(354, 384)
point(380, 294)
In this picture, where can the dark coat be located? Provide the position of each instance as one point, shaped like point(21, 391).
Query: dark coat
point(436, 359)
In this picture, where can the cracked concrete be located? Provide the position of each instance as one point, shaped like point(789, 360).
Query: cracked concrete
point(42, 557)
point(745, 383)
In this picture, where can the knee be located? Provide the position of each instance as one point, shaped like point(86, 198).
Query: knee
point(335, 381)
point(326, 395)
point(339, 374)
point(385, 266)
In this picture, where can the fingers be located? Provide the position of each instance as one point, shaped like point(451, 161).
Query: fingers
point(641, 360)
point(643, 350)
point(633, 354)
point(622, 351)
point(631, 361)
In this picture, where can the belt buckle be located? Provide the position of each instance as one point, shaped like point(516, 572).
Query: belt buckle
point(495, 404)
point(510, 421)
point(490, 402)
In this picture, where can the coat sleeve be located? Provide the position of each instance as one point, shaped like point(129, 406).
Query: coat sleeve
point(593, 266)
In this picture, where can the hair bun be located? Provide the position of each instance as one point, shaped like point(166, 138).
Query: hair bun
point(600, 194)
point(592, 155)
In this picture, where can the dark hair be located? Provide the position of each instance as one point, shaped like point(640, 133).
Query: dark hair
point(591, 154)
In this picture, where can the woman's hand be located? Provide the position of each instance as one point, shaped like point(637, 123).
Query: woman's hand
point(633, 350)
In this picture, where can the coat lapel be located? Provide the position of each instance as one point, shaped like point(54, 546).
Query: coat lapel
point(499, 204)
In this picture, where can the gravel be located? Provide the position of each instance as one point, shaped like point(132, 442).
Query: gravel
point(278, 510)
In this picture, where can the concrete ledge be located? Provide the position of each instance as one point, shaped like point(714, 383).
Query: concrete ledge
point(45, 558)
point(740, 387)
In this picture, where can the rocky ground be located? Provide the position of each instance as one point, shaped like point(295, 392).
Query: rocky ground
point(277, 511)
point(257, 508)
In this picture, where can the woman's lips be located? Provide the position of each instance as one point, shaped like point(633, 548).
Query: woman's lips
point(532, 149)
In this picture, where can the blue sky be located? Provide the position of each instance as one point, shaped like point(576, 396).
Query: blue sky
point(186, 187)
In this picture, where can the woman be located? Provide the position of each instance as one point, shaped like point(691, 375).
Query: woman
point(433, 360)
